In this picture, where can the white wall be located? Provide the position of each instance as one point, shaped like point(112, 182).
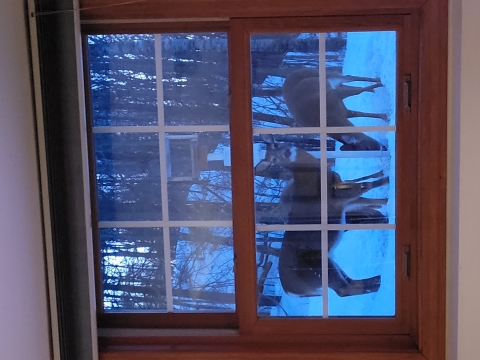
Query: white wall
point(23, 305)
point(23, 308)
point(464, 251)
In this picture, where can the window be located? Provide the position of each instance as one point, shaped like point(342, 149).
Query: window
point(202, 140)
point(163, 179)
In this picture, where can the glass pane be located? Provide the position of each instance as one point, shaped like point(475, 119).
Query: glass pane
point(361, 273)
point(127, 171)
point(198, 167)
point(363, 190)
point(371, 54)
point(343, 85)
point(289, 273)
point(276, 175)
point(202, 279)
point(157, 176)
point(133, 269)
point(273, 56)
point(355, 71)
point(365, 259)
point(123, 79)
point(195, 78)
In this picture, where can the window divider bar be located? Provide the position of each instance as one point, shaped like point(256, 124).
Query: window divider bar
point(323, 169)
point(357, 154)
point(226, 128)
point(160, 223)
point(157, 128)
point(319, 227)
point(163, 172)
point(324, 262)
point(242, 177)
point(324, 129)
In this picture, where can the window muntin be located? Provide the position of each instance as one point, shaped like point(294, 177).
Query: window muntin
point(162, 166)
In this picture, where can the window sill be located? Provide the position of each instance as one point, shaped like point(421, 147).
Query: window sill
point(145, 344)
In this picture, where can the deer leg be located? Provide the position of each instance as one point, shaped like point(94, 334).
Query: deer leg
point(349, 78)
point(352, 184)
point(376, 175)
point(365, 215)
point(353, 190)
point(344, 91)
point(343, 285)
point(337, 279)
point(374, 184)
point(368, 285)
point(371, 203)
point(365, 211)
point(354, 113)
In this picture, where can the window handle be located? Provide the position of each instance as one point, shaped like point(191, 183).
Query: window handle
point(407, 261)
point(407, 93)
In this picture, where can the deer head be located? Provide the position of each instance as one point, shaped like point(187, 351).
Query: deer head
point(284, 155)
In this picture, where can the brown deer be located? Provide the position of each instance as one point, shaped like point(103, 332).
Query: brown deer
point(300, 253)
point(301, 92)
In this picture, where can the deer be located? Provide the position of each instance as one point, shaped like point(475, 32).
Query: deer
point(301, 93)
point(300, 253)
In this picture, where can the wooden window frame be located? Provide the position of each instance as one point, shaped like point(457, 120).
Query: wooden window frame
point(243, 175)
point(424, 338)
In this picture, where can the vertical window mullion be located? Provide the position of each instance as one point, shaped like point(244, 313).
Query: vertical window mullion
point(242, 176)
point(163, 172)
point(323, 170)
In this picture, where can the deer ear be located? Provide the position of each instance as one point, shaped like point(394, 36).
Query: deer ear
point(262, 166)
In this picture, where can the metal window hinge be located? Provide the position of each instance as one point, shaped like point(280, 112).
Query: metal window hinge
point(407, 261)
point(407, 92)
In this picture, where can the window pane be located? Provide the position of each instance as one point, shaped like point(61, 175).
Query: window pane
point(364, 185)
point(285, 287)
point(195, 79)
point(372, 54)
point(316, 188)
point(133, 271)
point(199, 176)
point(127, 171)
point(162, 165)
point(360, 268)
point(367, 257)
point(356, 71)
point(274, 179)
point(202, 277)
point(123, 79)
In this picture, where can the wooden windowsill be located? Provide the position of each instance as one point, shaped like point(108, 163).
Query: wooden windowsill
point(226, 343)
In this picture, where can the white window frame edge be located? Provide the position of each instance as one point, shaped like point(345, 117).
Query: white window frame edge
point(43, 177)
point(44, 194)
